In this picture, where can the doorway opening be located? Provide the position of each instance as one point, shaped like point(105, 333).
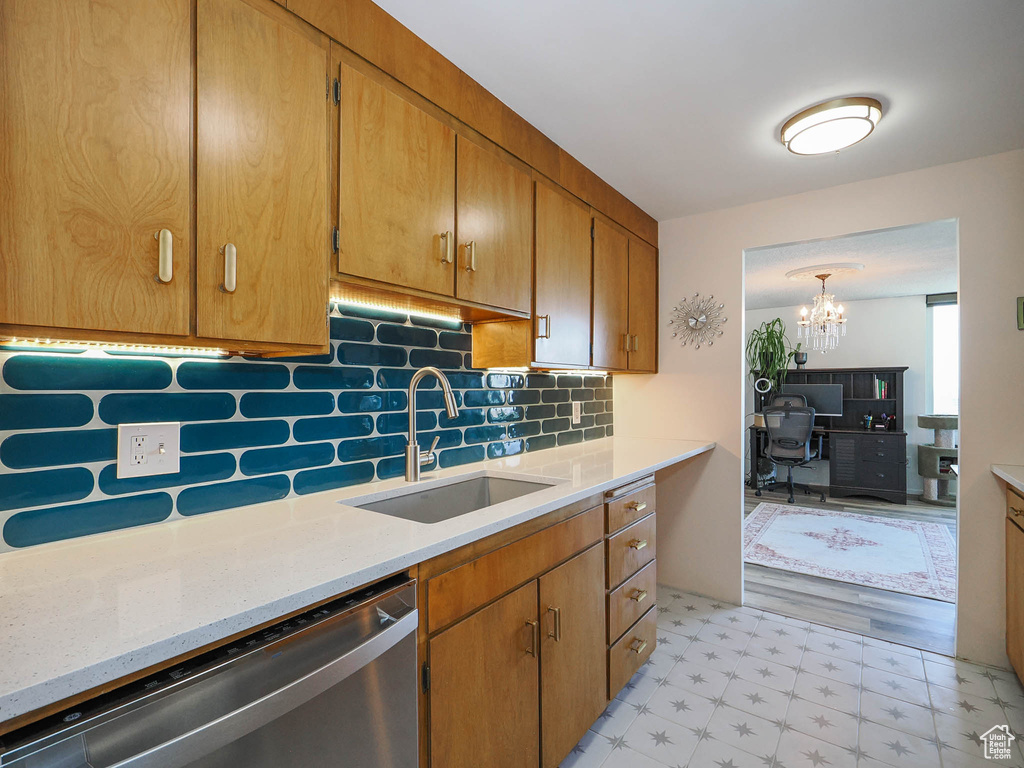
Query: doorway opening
point(851, 432)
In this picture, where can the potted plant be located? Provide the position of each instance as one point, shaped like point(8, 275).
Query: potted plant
point(768, 353)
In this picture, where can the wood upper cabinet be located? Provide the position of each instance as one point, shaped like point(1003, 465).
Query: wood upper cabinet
point(95, 130)
point(484, 698)
point(262, 178)
point(396, 208)
point(562, 279)
point(573, 675)
point(643, 306)
point(495, 230)
point(611, 296)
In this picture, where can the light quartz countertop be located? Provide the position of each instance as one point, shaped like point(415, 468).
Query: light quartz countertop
point(84, 612)
point(1012, 474)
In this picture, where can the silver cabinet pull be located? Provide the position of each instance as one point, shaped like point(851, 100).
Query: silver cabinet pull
point(471, 256)
point(230, 268)
point(636, 343)
point(556, 632)
point(547, 326)
point(625, 342)
point(165, 265)
point(448, 247)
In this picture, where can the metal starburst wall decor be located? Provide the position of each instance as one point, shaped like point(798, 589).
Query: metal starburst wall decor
point(697, 321)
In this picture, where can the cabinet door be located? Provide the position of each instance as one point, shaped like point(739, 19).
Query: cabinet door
point(562, 283)
point(573, 653)
point(495, 215)
point(1015, 596)
point(261, 165)
point(643, 306)
point(397, 189)
point(611, 296)
point(484, 698)
point(95, 160)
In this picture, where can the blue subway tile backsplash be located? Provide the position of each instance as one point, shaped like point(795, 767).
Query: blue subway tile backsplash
point(260, 430)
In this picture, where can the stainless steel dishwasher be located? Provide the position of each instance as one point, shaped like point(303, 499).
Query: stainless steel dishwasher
point(335, 686)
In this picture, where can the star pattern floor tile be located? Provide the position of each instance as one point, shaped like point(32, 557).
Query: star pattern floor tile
point(732, 687)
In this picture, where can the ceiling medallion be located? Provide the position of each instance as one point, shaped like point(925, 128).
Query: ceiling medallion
point(697, 321)
point(831, 126)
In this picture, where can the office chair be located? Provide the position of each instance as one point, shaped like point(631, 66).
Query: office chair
point(783, 400)
point(789, 443)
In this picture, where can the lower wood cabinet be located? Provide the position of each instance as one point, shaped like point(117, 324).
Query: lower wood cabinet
point(484, 686)
point(513, 644)
point(1015, 581)
point(572, 659)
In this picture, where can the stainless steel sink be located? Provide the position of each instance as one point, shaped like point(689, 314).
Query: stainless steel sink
point(443, 502)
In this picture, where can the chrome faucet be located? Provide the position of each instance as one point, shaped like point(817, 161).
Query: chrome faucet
point(413, 458)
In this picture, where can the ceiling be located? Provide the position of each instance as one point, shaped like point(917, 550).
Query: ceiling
point(902, 261)
point(678, 103)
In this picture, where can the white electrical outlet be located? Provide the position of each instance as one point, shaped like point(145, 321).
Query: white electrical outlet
point(577, 413)
point(148, 449)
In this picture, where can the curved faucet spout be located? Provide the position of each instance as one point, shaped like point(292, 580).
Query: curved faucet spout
point(413, 458)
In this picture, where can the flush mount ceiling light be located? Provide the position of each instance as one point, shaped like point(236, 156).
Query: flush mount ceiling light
point(831, 125)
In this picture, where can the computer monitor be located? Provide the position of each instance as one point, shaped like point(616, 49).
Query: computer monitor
point(825, 399)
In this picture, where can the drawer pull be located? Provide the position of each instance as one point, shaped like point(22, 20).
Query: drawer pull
point(534, 637)
point(638, 544)
point(880, 474)
point(639, 596)
point(637, 646)
point(638, 506)
point(556, 631)
point(1017, 512)
point(880, 453)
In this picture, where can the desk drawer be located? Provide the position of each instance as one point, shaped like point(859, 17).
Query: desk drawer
point(629, 550)
point(884, 477)
point(629, 602)
point(632, 650)
point(627, 509)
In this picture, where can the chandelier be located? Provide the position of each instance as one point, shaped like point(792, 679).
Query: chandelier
point(826, 323)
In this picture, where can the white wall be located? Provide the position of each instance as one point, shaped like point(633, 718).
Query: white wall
point(879, 332)
point(699, 393)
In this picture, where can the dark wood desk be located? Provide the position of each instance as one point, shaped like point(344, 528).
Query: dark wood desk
point(861, 462)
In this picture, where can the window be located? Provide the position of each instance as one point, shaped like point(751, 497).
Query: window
point(944, 323)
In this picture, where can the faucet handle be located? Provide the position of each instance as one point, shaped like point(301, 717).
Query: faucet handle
point(428, 455)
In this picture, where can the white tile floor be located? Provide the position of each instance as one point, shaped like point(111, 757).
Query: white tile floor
point(732, 687)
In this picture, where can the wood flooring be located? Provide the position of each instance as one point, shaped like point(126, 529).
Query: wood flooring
point(919, 622)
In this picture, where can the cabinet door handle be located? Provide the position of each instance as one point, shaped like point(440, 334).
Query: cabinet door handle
point(534, 636)
point(638, 506)
point(625, 342)
point(640, 596)
point(471, 256)
point(230, 268)
point(636, 343)
point(1017, 512)
point(556, 630)
point(165, 262)
point(637, 646)
point(547, 326)
point(638, 544)
point(447, 250)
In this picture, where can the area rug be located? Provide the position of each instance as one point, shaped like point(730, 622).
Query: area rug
point(898, 555)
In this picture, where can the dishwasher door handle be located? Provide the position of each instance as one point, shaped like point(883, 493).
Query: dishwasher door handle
point(192, 745)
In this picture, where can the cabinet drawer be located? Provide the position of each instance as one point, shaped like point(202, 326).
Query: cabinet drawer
point(885, 477)
point(629, 550)
point(626, 509)
point(1014, 507)
point(632, 650)
point(627, 603)
point(872, 440)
